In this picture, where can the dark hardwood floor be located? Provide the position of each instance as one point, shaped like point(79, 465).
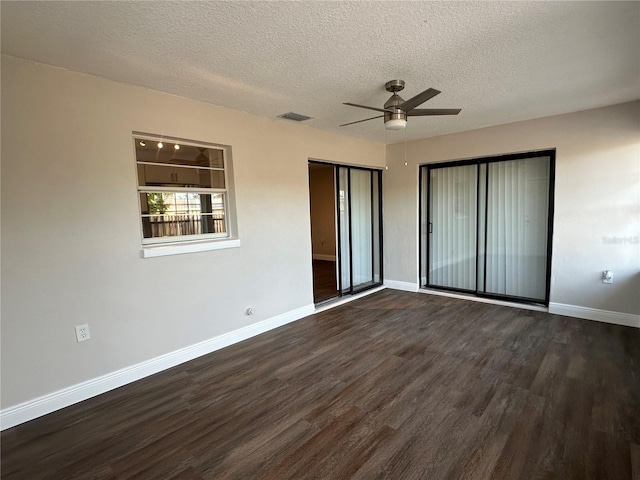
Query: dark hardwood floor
point(394, 385)
point(324, 280)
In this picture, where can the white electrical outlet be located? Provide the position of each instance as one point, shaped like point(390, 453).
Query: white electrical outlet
point(82, 333)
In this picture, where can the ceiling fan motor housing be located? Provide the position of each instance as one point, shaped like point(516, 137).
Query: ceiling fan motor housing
point(392, 103)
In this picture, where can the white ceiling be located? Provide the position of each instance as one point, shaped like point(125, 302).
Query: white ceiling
point(499, 62)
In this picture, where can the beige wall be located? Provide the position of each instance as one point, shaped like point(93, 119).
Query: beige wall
point(70, 230)
point(71, 237)
point(597, 198)
point(323, 210)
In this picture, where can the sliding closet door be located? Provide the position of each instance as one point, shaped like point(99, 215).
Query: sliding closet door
point(452, 227)
point(376, 222)
point(359, 228)
point(344, 230)
point(486, 226)
point(517, 199)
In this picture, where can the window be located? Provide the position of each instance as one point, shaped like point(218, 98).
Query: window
point(184, 191)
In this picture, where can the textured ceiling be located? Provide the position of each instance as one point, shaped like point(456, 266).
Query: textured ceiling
point(499, 62)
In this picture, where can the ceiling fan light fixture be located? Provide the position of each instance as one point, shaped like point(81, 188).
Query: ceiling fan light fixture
point(395, 123)
point(396, 109)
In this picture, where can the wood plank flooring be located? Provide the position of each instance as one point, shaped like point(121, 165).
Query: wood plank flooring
point(324, 280)
point(395, 385)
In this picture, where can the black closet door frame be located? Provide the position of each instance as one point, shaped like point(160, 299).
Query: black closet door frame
point(425, 264)
point(338, 216)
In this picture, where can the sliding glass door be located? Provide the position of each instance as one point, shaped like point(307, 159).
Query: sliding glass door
point(517, 212)
point(452, 227)
point(486, 226)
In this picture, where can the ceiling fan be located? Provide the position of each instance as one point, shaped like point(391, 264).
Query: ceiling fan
point(396, 109)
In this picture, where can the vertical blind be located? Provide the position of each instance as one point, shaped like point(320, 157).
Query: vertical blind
point(487, 226)
point(516, 246)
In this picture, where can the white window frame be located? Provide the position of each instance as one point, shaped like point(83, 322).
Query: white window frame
point(173, 245)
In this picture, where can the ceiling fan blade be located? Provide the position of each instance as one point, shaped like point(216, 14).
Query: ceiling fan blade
point(368, 108)
point(359, 121)
point(421, 112)
point(418, 99)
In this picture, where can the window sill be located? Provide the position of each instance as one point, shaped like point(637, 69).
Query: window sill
point(190, 247)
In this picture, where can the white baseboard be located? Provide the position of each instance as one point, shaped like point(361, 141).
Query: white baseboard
point(607, 316)
point(472, 298)
point(38, 407)
point(320, 256)
point(51, 402)
point(347, 299)
point(617, 318)
point(406, 286)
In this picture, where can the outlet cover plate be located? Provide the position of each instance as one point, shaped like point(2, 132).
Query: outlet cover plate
point(82, 333)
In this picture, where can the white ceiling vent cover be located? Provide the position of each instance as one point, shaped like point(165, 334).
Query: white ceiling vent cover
point(296, 117)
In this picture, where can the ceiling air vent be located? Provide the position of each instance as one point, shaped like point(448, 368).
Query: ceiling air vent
point(296, 117)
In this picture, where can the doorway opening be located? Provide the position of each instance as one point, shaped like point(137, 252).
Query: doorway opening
point(346, 229)
point(322, 199)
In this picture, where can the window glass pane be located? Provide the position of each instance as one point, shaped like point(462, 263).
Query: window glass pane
point(212, 178)
point(168, 214)
point(160, 175)
point(216, 158)
point(148, 151)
